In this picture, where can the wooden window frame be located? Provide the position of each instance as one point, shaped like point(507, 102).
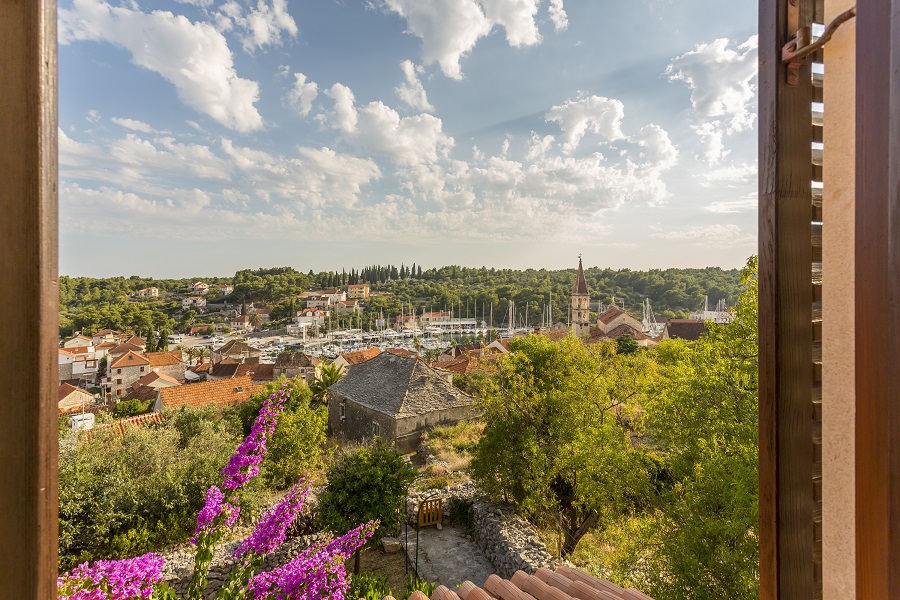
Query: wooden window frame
point(29, 273)
point(878, 300)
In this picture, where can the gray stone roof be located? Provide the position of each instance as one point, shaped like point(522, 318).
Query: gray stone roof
point(399, 387)
point(287, 360)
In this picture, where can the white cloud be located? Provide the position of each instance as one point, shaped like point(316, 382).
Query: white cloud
point(194, 57)
point(133, 125)
point(709, 235)
point(730, 175)
point(301, 96)
point(378, 129)
point(558, 15)
point(93, 116)
point(597, 114)
point(318, 177)
point(517, 17)
point(343, 116)
point(722, 90)
point(539, 146)
point(258, 26)
point(450, 29)
point(747, 203)
point(412, 92)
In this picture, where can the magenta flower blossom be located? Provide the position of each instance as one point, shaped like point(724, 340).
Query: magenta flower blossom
point(316, 573)
point(112, 579)
point(271, 529)
point(244, 465)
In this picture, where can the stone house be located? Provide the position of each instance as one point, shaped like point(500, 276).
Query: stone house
point(613, 317)
point(297, 364)
point(394, 398)
point(125, 370)
point(71, 398)
point(234, 349)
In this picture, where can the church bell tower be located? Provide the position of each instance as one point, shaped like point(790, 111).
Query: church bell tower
point(581, 300)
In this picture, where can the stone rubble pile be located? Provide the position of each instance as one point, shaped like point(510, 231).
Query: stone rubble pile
point(508, 541)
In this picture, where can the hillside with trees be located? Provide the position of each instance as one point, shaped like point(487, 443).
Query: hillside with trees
point(89, 304)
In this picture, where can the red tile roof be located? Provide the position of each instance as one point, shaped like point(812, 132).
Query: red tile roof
point(565, 583)
point(354, 358)
point(220, 393)
point(151, 377)
point(402, 352)
point(129, 359)
point(625, 329)
point(123, 424)
point(164, 359)
point(609, 314)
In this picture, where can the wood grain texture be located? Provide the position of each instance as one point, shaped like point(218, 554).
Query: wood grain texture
point(877, 300)
point(29, 299)
point(786, 503)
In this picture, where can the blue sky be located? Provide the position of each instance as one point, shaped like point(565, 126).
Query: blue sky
point(199, 137)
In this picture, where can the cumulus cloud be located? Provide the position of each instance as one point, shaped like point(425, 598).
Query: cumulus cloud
point(301, 96)
point(412, 92)
point(722, 89)
point(380, 130)
point(558, 15)
point(517, 17)
point(258, 25)
point(597, 114)
point(709, 235)
point(450, 29)
point(193, 57)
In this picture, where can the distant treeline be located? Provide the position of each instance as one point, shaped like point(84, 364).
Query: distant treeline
point(95, 303)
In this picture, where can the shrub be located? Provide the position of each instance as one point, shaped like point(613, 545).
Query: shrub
point(120, 497)
point(369, 587)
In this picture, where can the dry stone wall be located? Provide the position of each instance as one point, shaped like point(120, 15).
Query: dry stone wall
point(508, 541)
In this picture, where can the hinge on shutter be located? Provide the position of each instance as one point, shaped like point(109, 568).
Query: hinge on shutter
point(796, 50)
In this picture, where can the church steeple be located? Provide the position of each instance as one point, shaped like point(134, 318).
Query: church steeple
point(581, 300)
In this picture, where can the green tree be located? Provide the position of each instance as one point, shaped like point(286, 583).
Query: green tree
point(255, 320)
point(625, 344)
point(703, 411)
point(327, 376)
point(554, 439)
point(364, 483)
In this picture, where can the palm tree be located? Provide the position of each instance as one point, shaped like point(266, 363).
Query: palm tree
point(327, 376)
point(255, 320)
point(418, 344)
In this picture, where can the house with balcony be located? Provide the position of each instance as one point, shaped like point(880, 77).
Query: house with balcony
point(195, 302)
point(358, 291)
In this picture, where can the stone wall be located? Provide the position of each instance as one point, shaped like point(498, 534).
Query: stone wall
point(179, 566)
point(508, 541)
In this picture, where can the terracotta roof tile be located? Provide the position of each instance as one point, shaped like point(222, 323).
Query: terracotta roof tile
point(609, 314)
point(164, 359)
point(289, 360)
point(129, 359)
point(123, 348)
point(220, 393)
point(354, 358)
point(65, 389)
point(402, 352)
point(121, 425)
point(151, 377)
point(565, 583)
point(625, 329)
